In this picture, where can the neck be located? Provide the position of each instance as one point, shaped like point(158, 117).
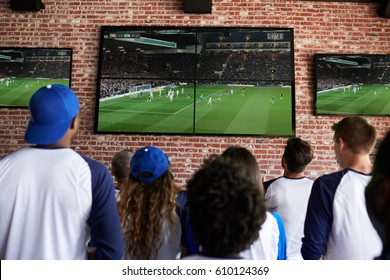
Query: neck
point(360, 163)
point(293, 175)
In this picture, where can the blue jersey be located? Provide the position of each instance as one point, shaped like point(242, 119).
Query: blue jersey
point(337, 224)
point(53, 201)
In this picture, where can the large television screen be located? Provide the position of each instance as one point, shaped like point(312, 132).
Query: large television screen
point(212, 81)
point(24, 70)
point(352, 84)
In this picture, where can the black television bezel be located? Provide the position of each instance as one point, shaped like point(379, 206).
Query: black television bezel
point(291, 81)
point(316, 58)
point(70, 50)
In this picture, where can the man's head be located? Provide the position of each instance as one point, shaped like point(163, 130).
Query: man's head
point(357, 134)
point(53, 109)
point(226, 207)
point(297, 155)
point(354, 134)
point(378, 191)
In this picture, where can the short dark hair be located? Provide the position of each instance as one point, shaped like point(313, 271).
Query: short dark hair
point(358, 134)
point(297, 154)
point(120, 165)
point(226, 208)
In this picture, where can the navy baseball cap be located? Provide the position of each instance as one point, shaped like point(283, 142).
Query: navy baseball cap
point(52, 109)
point(148, 164)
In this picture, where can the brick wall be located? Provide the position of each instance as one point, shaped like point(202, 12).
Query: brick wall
point(319, 27)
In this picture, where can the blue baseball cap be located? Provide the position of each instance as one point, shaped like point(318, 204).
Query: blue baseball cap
point(52, 109)
point(148, 164)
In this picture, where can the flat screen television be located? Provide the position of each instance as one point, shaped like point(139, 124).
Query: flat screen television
point(352, 84)
point(24, 70)
point(187, 80)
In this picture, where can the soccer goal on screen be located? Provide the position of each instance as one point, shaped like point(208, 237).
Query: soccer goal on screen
point(139, 90)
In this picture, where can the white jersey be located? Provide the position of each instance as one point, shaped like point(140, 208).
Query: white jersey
point(50, 201)
point(337, 224)
point(290, 196)
point(266, 246)
point(171, 242)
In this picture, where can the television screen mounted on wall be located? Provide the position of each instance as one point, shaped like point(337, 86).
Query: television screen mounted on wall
point(24, 70)
point(211, 81)
point(352, 84)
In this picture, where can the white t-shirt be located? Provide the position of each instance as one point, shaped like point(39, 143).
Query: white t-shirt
point(337, 225)
point(266, 246)
point(289, 197)
point(51, 200)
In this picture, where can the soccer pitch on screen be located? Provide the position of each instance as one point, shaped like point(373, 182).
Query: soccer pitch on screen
point(230, 110)
point(358, 99)
point(16, 92)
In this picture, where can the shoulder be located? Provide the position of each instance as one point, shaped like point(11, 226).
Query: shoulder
point(92, 162)
point(332, 179)
point(101, 177)
point(271, 223)
point(268, 183)
point(97, 168)
point(325, 188)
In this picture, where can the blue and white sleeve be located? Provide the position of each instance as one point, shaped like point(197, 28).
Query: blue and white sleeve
point(104, 219)
point(319, 217)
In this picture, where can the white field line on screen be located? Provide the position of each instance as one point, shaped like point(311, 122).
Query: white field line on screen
point(161, 113)
point(131, 111)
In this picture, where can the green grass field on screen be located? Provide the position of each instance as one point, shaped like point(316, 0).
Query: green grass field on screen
point(366, 100)
point(261, 111)
point(18, 91)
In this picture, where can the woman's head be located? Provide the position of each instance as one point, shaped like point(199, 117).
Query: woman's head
point(244, 157)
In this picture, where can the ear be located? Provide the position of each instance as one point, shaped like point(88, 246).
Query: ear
point(75, 123)
point(284, 165)
point(341, 144)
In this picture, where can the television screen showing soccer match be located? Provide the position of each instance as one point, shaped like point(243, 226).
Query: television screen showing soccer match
point(352, 84)
point(211, 81)
point(24, 70)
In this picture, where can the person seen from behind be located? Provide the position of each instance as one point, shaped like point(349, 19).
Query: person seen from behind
point(226, 209)
point(147, 209)
point(290, 193)
point(52, 198)
point(337, 225)
point(120, 168)
point(271, 244)
point(377, 196)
